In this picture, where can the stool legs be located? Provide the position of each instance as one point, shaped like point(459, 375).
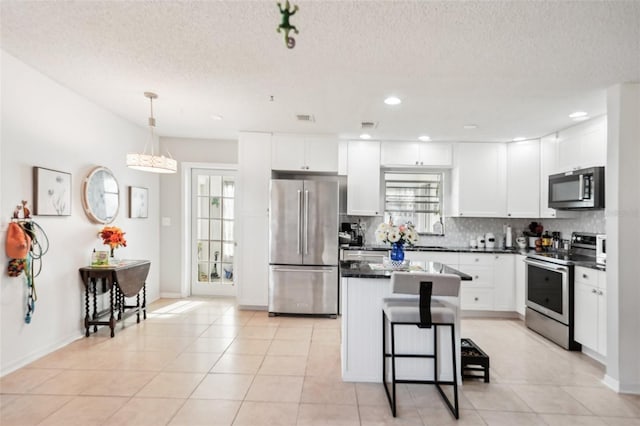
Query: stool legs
point(391, 395)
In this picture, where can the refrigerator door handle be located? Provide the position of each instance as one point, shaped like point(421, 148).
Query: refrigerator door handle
point(299, 243)
point(306, 222)
point(324, 271)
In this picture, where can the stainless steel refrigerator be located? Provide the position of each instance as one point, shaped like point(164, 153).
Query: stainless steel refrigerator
point(303, 247)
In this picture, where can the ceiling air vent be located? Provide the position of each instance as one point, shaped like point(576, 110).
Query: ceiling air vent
point(305, 117)
point(368, 125)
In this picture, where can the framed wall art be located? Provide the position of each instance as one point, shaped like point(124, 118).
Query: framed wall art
point(51, 192)
point(138, 202)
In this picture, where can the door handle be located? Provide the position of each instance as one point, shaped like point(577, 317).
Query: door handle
point(299, 246)
point(306, 222)
point(324, 271)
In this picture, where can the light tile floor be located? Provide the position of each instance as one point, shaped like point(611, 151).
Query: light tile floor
point(205, 362)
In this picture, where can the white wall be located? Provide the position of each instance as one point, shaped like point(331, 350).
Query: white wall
point(623, 234)
point(47, 125)
point(171, 206)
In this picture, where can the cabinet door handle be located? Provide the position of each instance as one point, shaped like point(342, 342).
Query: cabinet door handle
point(594, 291)
point(475, 299)
point(476, 277)
point(585, 276)
point(600, 293)
point(508, 214)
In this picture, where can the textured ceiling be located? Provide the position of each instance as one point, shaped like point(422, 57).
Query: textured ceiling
point(514, 68)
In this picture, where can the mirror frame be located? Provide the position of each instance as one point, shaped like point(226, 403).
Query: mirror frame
point(86, 202)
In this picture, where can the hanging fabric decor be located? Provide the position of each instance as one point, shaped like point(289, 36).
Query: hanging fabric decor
point(285, 26)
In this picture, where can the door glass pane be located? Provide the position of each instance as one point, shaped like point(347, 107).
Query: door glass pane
point(202, 229)
point(227, 211)
point(215, 208)
point(213, 228)
point(203, 185)
point(215, 186)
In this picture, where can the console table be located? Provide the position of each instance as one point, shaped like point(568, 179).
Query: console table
point(124, 279)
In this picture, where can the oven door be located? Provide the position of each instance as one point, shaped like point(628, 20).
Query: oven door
point(548, 289)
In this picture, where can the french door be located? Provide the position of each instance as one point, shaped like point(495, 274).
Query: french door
point(212, 232)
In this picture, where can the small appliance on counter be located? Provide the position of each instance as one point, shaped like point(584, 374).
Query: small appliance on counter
point(354, 231)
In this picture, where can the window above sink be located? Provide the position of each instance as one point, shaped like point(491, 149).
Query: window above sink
point(416, 198)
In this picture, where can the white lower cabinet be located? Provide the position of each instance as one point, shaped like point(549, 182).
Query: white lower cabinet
point(520, 284)
point(445, 257)
point(504, 282)
point(590, 313)
point(492, 286)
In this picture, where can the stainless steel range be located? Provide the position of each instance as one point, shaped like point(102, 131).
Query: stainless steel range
point(550, 289)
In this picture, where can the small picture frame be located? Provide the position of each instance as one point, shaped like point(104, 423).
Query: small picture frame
point(138, 202)
point(51, 192)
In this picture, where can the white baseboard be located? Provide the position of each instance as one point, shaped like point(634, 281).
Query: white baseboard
point(594, 355)
point(252, 307)
point(171, 295)
point(466, 313)
point(632, 388)
point(13, 366)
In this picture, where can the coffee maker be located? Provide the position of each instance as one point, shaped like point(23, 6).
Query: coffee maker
point(353, 229)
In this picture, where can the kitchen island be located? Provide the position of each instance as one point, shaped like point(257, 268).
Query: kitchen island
point(364, 285)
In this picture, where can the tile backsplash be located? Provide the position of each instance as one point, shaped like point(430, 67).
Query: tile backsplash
point(458, 231)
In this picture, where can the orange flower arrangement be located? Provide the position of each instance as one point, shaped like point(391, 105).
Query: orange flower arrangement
point(113, 237)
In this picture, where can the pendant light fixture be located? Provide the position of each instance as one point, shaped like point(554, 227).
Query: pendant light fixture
point(150, 162)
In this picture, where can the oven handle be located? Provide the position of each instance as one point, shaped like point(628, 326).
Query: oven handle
point(546, 265)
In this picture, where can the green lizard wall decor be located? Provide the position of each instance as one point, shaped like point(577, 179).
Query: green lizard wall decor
point(285, 26)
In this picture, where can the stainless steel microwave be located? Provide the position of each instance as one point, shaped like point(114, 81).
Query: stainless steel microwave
point(577, 190)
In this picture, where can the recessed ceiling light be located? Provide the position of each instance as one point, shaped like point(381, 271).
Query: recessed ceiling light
point(365, 136)
point(577, 114)
point(424, 138)
point(216, 117)
point(518, 139)
point(585, 117)
point(470, 126)
point(392, 100)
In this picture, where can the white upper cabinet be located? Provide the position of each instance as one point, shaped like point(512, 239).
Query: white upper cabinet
point(548, 166)
point(479, 180)
point(363, 181)
point(523, 179)
point(304, 153)
point(582, 146)
point(412, 154)
point(343, 147)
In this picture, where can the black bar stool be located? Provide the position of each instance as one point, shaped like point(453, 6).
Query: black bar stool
point(416, 308)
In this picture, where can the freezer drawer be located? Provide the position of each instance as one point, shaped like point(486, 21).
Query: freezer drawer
point(303, 290)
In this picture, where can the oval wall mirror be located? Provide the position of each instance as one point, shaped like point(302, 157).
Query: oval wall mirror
point(101, 195)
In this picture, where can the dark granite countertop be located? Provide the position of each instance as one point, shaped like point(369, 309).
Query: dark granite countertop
point(432, 248)
point(360, 269)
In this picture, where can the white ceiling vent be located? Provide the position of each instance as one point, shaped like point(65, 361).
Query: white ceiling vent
point(305, 117)
point(368, 125)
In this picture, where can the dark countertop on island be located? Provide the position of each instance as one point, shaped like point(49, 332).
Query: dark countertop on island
point(524, 252)
point(432, 248)
point(360, 269)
